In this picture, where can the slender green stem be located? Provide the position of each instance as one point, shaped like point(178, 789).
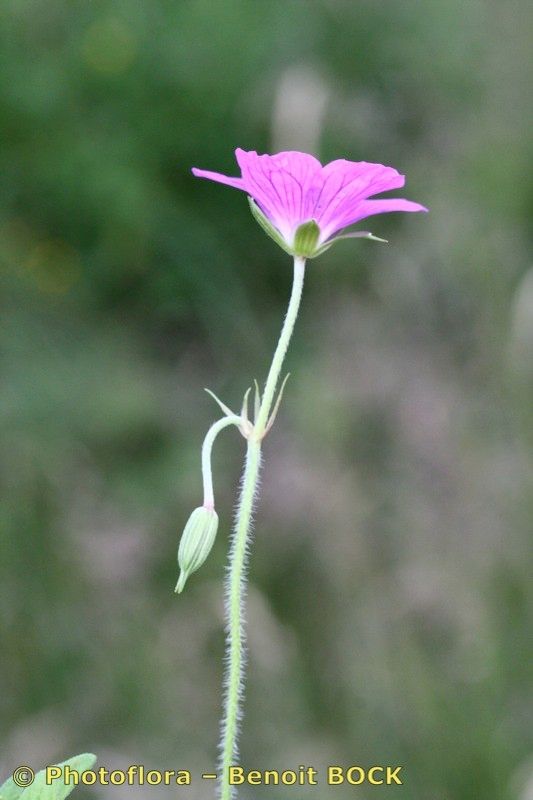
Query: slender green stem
point(235, 613)
point(236, 585)
point(207, 475)
point(281, 349)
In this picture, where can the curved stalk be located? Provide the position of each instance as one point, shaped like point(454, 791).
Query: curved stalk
point(236, 582)
point(211, 435)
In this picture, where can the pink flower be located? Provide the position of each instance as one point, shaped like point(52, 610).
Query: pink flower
point(302, 204)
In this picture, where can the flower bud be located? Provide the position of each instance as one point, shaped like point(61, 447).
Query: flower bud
point(196, 542)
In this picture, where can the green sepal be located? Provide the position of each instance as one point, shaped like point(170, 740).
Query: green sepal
point(268, 228)
point(306, 239)
point(40, 790)
point(322, 248)
point(356, 235)
point(359, 235)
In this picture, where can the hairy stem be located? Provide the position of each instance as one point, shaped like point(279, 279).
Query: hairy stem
point(236, 591)
point(236, 586)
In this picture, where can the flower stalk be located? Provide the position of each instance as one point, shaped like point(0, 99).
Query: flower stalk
point(207, 447)
point(236, 582)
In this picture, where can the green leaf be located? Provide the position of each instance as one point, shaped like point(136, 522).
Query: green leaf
point(57, 789)
point(10, 791)
point(268, 228)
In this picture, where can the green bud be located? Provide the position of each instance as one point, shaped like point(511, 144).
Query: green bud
point(196, 542)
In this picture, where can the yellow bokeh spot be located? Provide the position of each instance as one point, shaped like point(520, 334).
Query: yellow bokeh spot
point(54, 266)
point(109, 46)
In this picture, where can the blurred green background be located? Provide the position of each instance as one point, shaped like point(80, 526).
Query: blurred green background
point(389, 608)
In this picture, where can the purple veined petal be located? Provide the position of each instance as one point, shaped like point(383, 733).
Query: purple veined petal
point(305, 171)
point(368, 208)
point(283, 185)
point(347, 183)
point(366, 171)
point(256, 175)
point(331, 184)
point(237, 183)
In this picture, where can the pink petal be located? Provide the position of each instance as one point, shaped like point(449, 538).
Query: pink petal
point(367, 208)
point(237, 183)
point(370, 207)
point(282, 185)
point(347, 183)
point(306, 173)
